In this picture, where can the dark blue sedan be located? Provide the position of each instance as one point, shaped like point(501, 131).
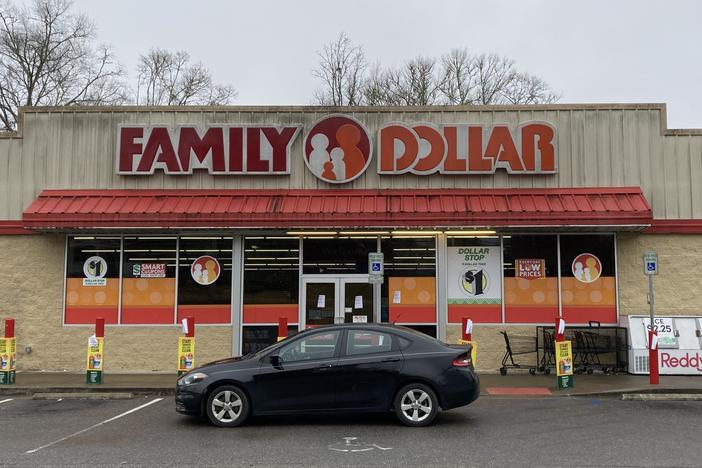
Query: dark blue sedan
point(337, 368)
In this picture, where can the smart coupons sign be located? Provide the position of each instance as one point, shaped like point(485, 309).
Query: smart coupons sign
point(338, 149)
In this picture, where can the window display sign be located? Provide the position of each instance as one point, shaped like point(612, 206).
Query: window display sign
point(149, 270)
point(586, 268)
point(95, 269)
point(205, 270)
point(474, 275)
point(186, 354)
point(530, 268)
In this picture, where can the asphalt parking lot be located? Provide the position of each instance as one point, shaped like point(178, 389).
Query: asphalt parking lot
point(494, 431)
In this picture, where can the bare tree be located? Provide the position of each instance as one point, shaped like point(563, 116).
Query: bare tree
point(341, 69)
point(456, 78)
point(47, 58)
point(168, 78)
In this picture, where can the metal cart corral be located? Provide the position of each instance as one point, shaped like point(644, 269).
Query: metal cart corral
point(595, 348)
point(517, 345)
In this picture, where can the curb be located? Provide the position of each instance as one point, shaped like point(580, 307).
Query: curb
point(140, 391)
point(663, 397)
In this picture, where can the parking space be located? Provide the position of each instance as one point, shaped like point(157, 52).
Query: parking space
point(492, 431)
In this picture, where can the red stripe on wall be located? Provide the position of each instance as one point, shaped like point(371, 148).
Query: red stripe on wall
point(675, 226)
point(412, 313)
point(491, 313)
point(203, 314)
point(13, 228)
point(269, 313)
point(530, 314)
point(585, 314)
point(147, 315)
point(87, 315)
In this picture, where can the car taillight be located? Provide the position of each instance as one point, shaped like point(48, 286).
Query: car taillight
point(463, 360)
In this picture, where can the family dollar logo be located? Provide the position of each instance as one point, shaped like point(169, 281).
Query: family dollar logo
point(337, 149)
point(474, 282)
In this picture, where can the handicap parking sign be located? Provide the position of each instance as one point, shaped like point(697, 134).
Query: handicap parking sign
point(650, 263)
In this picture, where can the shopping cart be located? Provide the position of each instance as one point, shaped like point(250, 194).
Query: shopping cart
point(514, 346)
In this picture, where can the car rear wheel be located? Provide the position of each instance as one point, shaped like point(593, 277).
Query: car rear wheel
point(416, 405)
point(227, 406)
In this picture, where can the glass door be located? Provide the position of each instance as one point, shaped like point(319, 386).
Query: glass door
point(321, 302)
point(337, 299)
point(357, 300)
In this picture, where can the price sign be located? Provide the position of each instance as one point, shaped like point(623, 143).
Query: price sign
point(663, 326)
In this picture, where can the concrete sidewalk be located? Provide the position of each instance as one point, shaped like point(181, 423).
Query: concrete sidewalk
point(513, 384)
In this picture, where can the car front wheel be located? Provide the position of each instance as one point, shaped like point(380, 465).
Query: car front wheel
point(227, 406)
point(416, 405)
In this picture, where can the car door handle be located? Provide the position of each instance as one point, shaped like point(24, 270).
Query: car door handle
point(391, 359)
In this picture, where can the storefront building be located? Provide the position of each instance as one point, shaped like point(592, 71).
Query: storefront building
point(238, 216)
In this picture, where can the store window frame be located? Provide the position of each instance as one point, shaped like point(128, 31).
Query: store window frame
point(611, 234)
point(175, 323)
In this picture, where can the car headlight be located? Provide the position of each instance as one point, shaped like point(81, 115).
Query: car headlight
point(190, 379)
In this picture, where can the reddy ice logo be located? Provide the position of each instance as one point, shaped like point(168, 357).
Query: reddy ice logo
point(337, 149)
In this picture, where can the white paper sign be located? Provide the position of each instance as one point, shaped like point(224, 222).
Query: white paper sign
point(469, 327)
point(360, 319)
point(321, 301)
point(474, 275)
point(92, 340)
point(663, 326)
point(358, 302)
point(184, 325)
point(561, 326)
point(396, 297)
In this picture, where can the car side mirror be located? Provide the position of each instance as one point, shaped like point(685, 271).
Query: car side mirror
point(275, 360)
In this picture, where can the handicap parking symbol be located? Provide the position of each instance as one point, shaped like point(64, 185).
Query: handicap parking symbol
point(376, 267)
point(650, 266)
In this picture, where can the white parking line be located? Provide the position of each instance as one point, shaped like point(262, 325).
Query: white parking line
point(156, 400)
point(6, 400)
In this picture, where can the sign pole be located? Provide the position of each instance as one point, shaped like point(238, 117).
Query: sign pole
point(8, 354)
point(651, 268)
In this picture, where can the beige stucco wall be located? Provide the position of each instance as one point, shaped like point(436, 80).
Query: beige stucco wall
point(678, 287)
point(31, 291)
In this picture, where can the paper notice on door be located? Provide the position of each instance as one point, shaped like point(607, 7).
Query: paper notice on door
point(360, 319)
point(396, 297)
point(358, 302)
point(321, 301)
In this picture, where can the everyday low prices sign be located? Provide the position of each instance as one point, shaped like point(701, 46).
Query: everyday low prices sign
point(530, 268)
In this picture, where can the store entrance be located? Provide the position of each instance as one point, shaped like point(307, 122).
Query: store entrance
point(329, 299)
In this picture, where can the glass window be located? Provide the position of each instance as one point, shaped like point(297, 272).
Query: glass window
point(316, 346)
point(531, 278)
point(408, 294)
point(271, 279)
point(367, 342)
point(588, 283)
point(333, 256)
point(205, 279)
point(92, 279)
point(474, 279)
point(148, 280)
point(258, 337)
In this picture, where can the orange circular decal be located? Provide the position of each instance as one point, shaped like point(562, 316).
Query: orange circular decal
point(205, 270)
point(586, 268)
point(337, 149)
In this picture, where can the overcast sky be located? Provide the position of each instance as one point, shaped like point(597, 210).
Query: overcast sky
point(589, 51)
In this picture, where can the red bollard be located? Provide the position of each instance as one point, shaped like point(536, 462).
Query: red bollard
point(191, 326)
point(282, 328)
point(95, 361)
point(8, 353)
point(466, 329)
point(653, 357)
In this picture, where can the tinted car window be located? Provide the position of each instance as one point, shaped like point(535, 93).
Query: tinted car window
point(367, 342)
point(317, 346)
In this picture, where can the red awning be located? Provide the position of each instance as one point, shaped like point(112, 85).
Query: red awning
point(88, 209)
